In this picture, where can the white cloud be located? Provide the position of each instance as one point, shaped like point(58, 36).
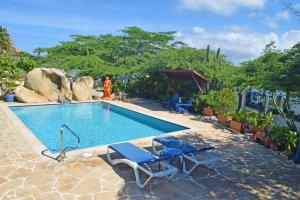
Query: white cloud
point(222, 7)
point(272, 22)
point(238, 45)
point(198, 29)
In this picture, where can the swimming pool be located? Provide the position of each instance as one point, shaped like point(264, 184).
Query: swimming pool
point(95, 123)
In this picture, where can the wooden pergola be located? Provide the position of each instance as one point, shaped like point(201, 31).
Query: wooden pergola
point(200, 80)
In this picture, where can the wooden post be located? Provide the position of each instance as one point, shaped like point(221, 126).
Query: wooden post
point(198, 85)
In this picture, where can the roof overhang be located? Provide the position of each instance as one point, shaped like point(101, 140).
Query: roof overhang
point(185, 74)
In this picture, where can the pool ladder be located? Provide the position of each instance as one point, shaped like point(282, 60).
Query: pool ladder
point(62, 152)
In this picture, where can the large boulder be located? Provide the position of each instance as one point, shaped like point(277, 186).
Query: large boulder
point(25, 95)
point(50, 83)
point(82, 88)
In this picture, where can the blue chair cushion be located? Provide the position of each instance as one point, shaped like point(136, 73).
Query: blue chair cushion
point(185, 148)
point(134, 153)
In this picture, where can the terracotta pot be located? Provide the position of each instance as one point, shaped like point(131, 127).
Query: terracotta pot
point(208, 111)
point(222, 119)
point(235, 125)
point(267, 142)
point(256, 129)
point(260, 135)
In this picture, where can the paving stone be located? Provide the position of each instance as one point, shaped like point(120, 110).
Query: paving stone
point(68, 197)
point(85, 197)
point(27, 191)
point(66, 179)
point(89, 185)
point(66, 188)
point(106, 195)
point(6, 171)
point(10, 185)
point(49, 196)
point(2, 180)
point(40, 178)
point(20, 173)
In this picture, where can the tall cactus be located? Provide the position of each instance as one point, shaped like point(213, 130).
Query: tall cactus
point(207, 53)
point(218, 55)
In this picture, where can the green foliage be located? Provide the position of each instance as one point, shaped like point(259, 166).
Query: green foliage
point(8, 67)
point(201, 101)
point(25, 61)
point(6, 45)
point(255, 120)
point(221, 101)
point(133, 51)
point(8, 71)
point(285, 137)
point(275, 70)
point(117, 86)
point(226, 101)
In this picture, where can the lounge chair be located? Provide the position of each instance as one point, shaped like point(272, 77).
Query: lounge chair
point(140, 159)
point(184, 107)
point(188, 152)
point(172, 102)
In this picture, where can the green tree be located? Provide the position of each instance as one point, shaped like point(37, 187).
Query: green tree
point(6, 45)
point(275, 70)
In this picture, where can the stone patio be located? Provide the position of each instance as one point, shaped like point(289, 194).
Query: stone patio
point(246, 170)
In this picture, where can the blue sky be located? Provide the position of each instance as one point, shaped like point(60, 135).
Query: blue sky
point(241, 28)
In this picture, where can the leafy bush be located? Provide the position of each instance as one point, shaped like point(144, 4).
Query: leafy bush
point(201, 101)
point(221, 101)
point(25, 61)
point(255, 120)
point(284, 137)
point(117, 86)
point(225, 101)
point(8, 67)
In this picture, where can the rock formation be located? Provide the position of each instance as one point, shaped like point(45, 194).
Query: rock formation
point(50, 83)
point(25, 95)
point(82, 88)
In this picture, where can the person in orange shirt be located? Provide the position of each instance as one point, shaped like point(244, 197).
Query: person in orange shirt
point(106, 86)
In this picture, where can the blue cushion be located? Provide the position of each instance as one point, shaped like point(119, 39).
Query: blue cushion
point(173, 152)
point(134, 153)
point(185, 148)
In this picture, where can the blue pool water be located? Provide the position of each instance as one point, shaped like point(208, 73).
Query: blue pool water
point(95, 123)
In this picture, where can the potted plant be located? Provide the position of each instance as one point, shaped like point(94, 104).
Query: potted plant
point(204, 103)
point(262, 128)
point(208, 111)
point(10, 98)
point(235, 123)
point(225, 103)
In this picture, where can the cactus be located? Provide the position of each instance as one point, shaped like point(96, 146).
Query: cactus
point(218, 55)
point(207, 53)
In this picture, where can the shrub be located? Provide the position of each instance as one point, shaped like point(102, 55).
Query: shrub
point(285, 137)
point(201, 101)
point(255, 120)
point(225, 101)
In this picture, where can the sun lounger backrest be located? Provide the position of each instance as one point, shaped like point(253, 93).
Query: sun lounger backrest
point(174, 143)
point(134, 153)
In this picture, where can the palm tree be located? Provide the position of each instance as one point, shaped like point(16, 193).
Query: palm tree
point(6, 45)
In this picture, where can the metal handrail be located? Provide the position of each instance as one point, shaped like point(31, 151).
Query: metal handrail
point(61, 140)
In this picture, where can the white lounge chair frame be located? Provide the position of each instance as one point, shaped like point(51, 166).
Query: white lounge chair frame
point(191, 157)
point(168, 171)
